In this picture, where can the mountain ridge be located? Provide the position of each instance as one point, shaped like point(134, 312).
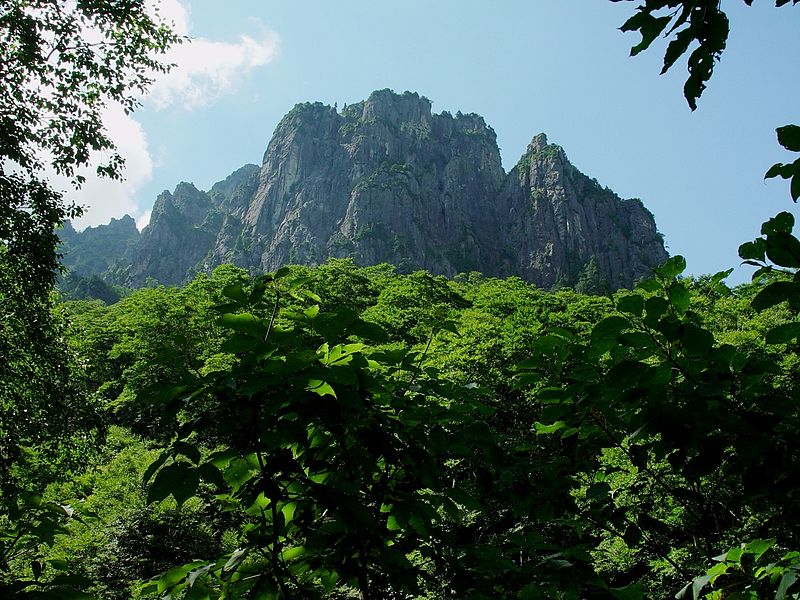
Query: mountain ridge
point(388, 180)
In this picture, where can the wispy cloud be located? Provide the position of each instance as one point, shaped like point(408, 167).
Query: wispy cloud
point(205, 71)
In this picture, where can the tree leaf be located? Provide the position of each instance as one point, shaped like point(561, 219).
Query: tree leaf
point(650, 285)
point(650, 27)
point(244, 323)
point(677, 48)
point(789, 137)
point(320, 387)
point(679, 297)
point(783, 333)
point(604, 334)
point(696, 340)
point(673, 267)
point(775, 293)
point(755, 250)
point(632, 304)
point(235, 292)
point(634, 591)
point(787, 581)
point(542, 429)
point(780, 223)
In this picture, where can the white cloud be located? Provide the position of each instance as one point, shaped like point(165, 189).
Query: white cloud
point(205, 71)
point(105, 198)
point(144, 220)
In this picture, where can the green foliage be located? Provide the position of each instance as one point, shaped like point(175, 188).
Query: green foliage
point(687, 22)
point(343, 432)
point(55, 85)
point(26, 524)
point(751, 570)
point(355, 467)
point(47, 421)
point(680, 435)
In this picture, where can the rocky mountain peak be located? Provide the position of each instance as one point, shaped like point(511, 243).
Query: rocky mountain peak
point(537, 144)
point(388, 180)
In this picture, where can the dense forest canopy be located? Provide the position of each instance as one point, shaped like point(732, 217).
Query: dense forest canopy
point(337, 432)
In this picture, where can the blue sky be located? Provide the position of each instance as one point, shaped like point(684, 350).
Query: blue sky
point(554, 66)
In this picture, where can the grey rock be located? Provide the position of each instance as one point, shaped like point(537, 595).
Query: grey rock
point(387, 180)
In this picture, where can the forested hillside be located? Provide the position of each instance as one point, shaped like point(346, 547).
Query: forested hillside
point(340, 430)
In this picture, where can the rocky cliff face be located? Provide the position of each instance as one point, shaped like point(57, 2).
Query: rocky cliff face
point(95, 249)
point(560, 220)
point(386, 180)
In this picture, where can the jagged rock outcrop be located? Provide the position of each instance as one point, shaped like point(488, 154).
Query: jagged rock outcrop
point(560, 220)
point(387, 180)
point(95, 249)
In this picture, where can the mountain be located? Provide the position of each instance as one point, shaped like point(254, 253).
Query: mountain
point(386, 180)
point(95, 250)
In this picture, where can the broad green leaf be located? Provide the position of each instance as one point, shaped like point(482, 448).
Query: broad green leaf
point(604, 334)
point(655, 307)
point(696, 340)
point(172, 577)
point(289, 554)
point(154, 466)
point(787, 581)
point(755, 250)
point(650, 30)
point(244, 323)
point(236, 559)
point(198, 591)
point(392, 524)
point(238, 472)
point(632, 304)
point(698, 584)
point(634, 591)
point(784, 250)
point(789, 137)
point(779, 170)
point(780, 223)
point(673, 267)
point(635, 339)
point(190, 451)
point(320, 387)
point(783, 333)
point(677, 48)
point(775, 293)
point(679, 297)
point(758, 547)
point(649, 26)
point(210, 473)
point(198, 572)
point(288, 511)
point(235, 292)
point(650, 285)
point(543, 429)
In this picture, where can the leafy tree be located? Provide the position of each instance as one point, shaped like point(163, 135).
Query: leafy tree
point(61, 66)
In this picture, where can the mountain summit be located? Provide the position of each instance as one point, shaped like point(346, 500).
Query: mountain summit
point(386, 180)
